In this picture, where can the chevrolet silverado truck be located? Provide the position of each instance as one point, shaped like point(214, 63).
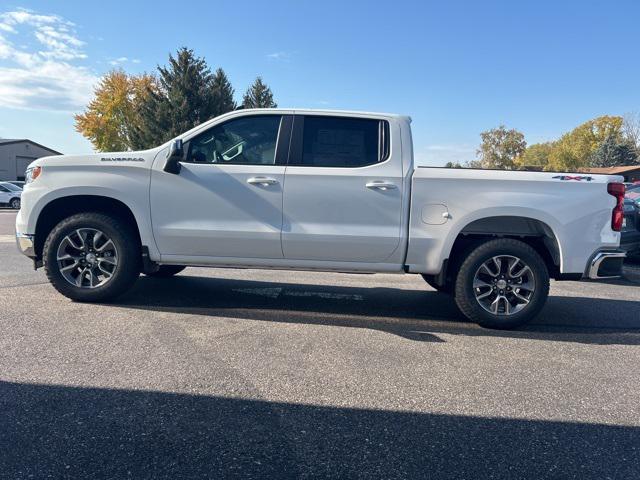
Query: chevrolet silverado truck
point(317, 190)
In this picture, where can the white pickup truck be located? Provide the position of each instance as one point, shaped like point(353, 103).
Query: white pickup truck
point(317, 190)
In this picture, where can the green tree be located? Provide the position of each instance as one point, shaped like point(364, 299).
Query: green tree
point(258, 95)
point(500, 147)
point(185, 97)
point(112, 120)
point(575, 150)
point(222, 94)
point(452, 165)
point(536, 155)
point(614, 152)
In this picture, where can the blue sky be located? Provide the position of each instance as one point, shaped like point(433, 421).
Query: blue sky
point(457, 67)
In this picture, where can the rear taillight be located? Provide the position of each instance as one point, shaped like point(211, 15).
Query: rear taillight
point(617, 216)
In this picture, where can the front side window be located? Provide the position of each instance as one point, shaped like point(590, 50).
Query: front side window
point(340, 142)
point(3, 188)
point(242, 141)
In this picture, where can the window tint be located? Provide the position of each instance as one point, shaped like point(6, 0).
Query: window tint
point(339, 142)
point(244, 141)
point(11, 187)
point(3, 188)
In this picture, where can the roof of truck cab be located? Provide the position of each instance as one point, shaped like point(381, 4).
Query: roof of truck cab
point(311, 111)
point(289, 111)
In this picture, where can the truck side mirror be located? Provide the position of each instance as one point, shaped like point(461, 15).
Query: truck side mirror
point(174, 155)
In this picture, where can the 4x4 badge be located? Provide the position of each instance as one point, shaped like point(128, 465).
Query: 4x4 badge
point(578, 178)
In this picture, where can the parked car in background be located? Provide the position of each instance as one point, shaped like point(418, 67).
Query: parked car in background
point(17, 183)
point(633, 192)
point(630, 238)
point(10, 195)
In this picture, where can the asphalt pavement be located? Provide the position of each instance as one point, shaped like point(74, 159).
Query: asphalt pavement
point(221, 373)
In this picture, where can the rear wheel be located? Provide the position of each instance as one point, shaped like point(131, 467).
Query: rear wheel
point(91, 257)
point(503, 283)
point(165, 271)
point(15, 203)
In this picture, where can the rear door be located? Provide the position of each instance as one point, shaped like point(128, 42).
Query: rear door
point(343, 191)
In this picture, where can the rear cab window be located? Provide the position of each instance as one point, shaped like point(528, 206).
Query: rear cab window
point(344, 142)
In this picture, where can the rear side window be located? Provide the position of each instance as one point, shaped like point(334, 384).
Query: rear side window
point(341, 142)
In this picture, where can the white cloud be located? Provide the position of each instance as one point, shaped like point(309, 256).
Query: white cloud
point(121, 60)
point(7, 28)
point(43, 71)
point(280, 56)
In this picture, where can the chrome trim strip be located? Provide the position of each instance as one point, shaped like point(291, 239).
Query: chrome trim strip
point(597, 261)
point(25, 244)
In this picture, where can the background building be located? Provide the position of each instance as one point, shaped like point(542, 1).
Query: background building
point(630, 173)
point(17, 154)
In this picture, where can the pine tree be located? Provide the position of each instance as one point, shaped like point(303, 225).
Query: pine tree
point(185, 98)
point(222, 93)
point(258, 95)
point(614, 152)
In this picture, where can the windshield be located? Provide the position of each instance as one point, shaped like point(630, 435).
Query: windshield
point(12, 187)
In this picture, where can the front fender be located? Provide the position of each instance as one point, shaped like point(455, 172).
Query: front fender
point(37, 196)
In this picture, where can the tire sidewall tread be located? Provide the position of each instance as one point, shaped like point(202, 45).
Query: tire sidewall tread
point(464, 294)
point(129, 258)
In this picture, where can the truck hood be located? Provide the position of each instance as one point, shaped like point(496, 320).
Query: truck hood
point(140, 158)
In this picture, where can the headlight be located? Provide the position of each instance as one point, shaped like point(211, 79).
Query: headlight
point(31, 174)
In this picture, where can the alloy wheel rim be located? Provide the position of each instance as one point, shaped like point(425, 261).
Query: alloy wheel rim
point(87, 258)
point(504, 285)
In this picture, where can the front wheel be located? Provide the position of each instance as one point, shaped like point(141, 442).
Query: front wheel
point(502, 284)
point(15, 203)
point(91, 257)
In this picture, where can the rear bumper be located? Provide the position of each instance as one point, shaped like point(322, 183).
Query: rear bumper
point(606, 265)
point(25, 244)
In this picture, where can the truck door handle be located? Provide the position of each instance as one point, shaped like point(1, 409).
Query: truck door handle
point(262, 181)
point(377, 185)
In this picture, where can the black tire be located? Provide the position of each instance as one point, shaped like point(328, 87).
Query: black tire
point(465, 292)
point(165, 271)
point(447, 288)
point(125, 272)
point(15, 203)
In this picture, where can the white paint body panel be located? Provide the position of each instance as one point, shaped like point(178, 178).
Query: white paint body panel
point(211, 211)
point(68, 175)
point(330, 214)
point(577, 212)
point(324, 218)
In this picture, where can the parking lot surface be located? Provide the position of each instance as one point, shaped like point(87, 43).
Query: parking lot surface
point(267, 374)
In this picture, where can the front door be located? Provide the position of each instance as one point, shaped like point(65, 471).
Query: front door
point(343, 191)
point(227, 199)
